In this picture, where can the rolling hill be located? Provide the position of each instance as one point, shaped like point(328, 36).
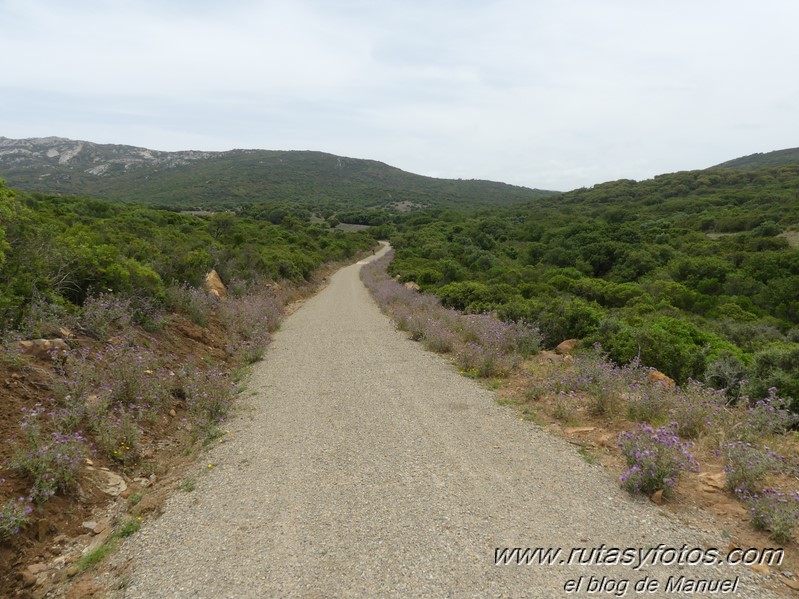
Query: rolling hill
point(760, 160)
point(199, 180)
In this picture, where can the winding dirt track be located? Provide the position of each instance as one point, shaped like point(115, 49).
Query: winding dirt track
point(367, 467)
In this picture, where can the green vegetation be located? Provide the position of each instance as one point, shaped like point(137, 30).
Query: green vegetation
point(690, 272)
point(91, 559)
point(55, 252)
point(760, 160)
point(311, 181)
point(188, 485)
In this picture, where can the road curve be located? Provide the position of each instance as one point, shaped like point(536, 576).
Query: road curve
point(364, 466)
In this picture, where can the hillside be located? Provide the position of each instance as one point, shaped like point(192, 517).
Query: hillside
point(694, 273)
point(231, 179)
point(760, 160)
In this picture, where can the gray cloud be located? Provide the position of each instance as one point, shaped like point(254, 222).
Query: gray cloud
point(545, 93)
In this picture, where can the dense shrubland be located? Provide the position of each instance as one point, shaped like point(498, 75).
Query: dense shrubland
point(692, 273)
point(56, 253)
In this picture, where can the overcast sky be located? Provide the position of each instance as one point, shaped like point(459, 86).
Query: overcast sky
point(554, 94)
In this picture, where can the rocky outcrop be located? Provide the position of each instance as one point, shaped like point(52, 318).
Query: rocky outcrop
point(655, 376)
point(214, 285)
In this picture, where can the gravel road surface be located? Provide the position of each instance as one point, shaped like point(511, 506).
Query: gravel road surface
point(364, 466)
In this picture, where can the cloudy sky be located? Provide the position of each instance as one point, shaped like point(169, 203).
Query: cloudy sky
point(553, 94)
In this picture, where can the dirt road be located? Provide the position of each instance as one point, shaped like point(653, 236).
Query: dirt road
point(367, 467)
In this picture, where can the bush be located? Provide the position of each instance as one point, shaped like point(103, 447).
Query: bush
point(776, 367)
point(774, 512)
point(695, 409)
point(51, 462)
point(195, 303)
point(14, 516)
point(728, 373)
point(768, 416)
point(209, 397)
point(103, 312)
point(655, 459)
point(747, 467)
point(117, 432)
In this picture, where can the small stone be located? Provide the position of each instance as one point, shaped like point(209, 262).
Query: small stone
point(729, 507)
point(101, 526)
point(60, 561)
point(108, 482)
point(791, 583)
point(713, 481)
point(605, 440)
point(173, 413)
point(578, 429)
point(98, 541)
point(28, 579)
point(91, 525)
point(72, 571)
point(760, 569)
point(657, 497)
point(42, 348)
point(567, 346)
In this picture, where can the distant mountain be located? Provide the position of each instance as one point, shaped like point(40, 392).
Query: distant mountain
point(760, 160)
point(198, 180)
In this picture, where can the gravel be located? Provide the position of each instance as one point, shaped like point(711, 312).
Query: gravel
point(364, 466)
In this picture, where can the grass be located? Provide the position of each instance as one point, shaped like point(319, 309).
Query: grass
point(589, 457)
point(130, 527)
point(135, 499)
point(93, 558)
point(188, 485)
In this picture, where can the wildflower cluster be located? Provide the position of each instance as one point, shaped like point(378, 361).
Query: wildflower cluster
point(209, 397)
point(481, 344)
point(655, 458)
point(696, 409)
point(134, 387)
point(775, 512)
point(14, 515)
point(51, 462)
point(768, 416)
point(249, 319)
point(136, 377)
point(102, 312)
point(590, 375)
point(748, 465)
point(43, 317)
point(197, 304)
